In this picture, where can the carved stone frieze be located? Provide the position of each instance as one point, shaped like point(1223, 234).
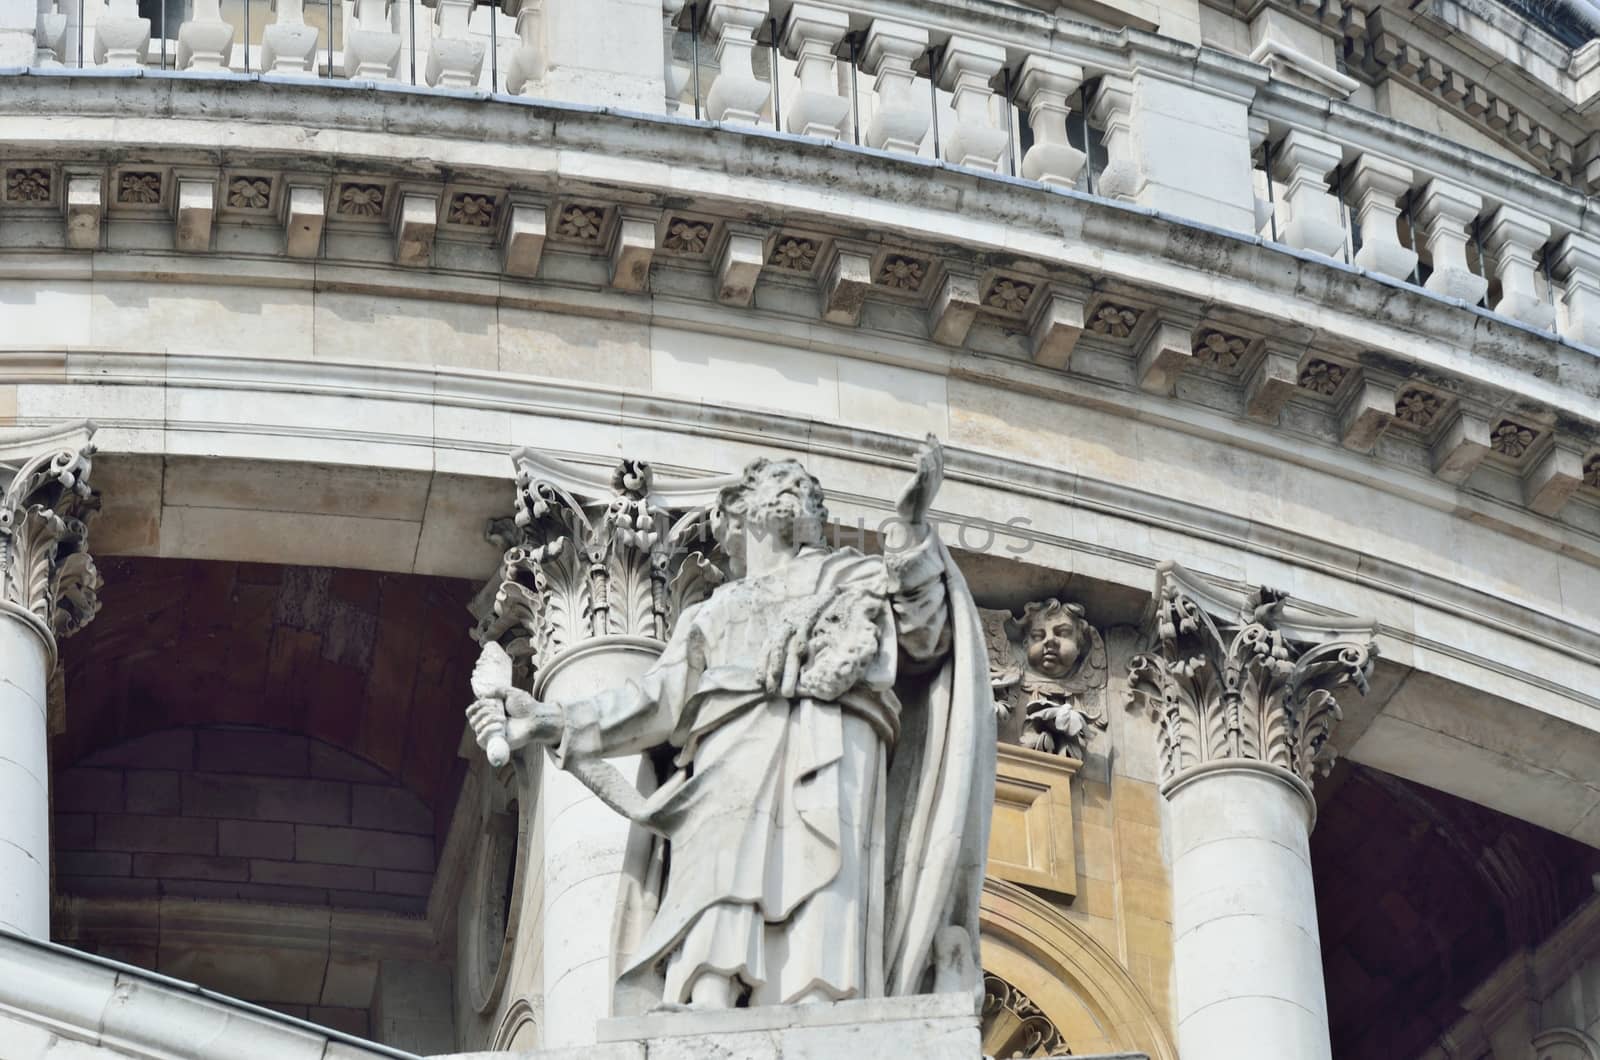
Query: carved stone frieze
point(1220, 349)
point(1322, 377)
point(581, 224)
point(902, 273)
point(250, 193)
point(27, 185)
point(1008, 295)
point(139, 189)
point(794, 254)
point(472, 210)
point(361, 200)
point(1512, 439)
point(1048, 671)
point(45, 566)
point(686, 236)
point(1012, 1025)
point(1240, 679)
point(1113, 321)
point(1418, 408)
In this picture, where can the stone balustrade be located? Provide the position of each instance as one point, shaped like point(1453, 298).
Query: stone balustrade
point(1192, 132)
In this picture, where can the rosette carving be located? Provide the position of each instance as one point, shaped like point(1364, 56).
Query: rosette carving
point(45, 565)
point(1245, 682)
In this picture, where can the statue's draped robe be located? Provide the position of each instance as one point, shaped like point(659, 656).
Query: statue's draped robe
point(785, 829)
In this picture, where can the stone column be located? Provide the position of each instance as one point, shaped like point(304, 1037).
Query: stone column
point(586, 596)
point(47, 590)
point(1242, 690)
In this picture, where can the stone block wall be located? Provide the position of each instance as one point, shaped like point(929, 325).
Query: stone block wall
point(242, 814)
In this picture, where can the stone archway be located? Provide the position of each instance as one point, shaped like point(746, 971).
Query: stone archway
point(1050, 986)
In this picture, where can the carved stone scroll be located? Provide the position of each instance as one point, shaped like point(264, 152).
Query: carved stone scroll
point(46, 570)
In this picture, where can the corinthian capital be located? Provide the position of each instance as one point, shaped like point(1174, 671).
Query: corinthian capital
point(45, 567)
point(1245, 678)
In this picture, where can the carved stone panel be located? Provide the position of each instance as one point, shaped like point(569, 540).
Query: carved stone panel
point(1030, 833)
point(1013, 1026)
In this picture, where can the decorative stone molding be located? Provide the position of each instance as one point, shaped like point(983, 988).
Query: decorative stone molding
point(1013, 1026)
point(1512, 440)
point(579, 223)
point(1378, 47)
point(248, 192)
point(900, 272)
point(1221, 350)
point(366, 201)
point(686, 235)
point(1418, 408)
point(46, 570)
point(1322, 377)
point(1245, 679)
point(1113, 321)
point(139, 188)
point(1048, 671)
point(28, 185)
point(793, 253)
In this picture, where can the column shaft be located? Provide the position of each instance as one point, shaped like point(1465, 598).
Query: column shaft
point(1245, 947)
point(24, 778)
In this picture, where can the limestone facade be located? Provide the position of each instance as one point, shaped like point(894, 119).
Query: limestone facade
point(1261, 340)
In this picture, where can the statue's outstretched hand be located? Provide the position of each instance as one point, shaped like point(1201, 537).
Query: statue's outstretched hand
point(917, 497)
point(516, 717)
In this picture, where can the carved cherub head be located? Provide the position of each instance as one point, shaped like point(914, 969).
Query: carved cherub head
point(1054, 635)
point(777, 497)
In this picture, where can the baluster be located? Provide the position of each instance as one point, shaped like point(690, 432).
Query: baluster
point(810, 37)
point(1112, 110)
point(1445, 212)
point(372, 47)
point(121, 37)
point(1378, 185)
point(1044, 88)
point(900, 120)
point(1302, 163)
point(50, 35)
point(205, 42)
point(527, 63)
point(1512, 242)
point(674, 74)
point(455, 59)
point(968, 67)
point(289, 46)
point(736, 95)
point(1576, 266)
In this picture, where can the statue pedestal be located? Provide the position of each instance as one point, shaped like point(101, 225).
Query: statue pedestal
point(926, 1026)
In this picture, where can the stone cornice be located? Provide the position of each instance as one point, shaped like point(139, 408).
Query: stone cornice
point(1392, 330)
point(1007, 473)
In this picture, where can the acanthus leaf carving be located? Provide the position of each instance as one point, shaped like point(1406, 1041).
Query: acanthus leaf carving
point(1246, 685)
point(581, 566)
point(44, 539)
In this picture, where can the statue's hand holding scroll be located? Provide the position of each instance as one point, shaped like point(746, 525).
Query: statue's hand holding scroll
point(503, 717)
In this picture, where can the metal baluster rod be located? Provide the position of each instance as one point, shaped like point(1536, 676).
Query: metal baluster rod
point(694, 53)
point(163, 14)
point(412, 14)
point(330, 38)
point(1011, 123)
point(1082, 111)
point(494, 48)
point(1345, 216)
point(1411, 231)
point(1483, 266)
point(247, 36)
point(855, 92)
point(933, 96)
point(80, 34)
point(777, 100)
point(1272, 198)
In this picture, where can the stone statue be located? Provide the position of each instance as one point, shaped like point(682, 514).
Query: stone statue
point(1048, 671)
point(819, 741)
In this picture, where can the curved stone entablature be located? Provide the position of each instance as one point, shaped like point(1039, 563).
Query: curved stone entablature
point(1108, 293)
